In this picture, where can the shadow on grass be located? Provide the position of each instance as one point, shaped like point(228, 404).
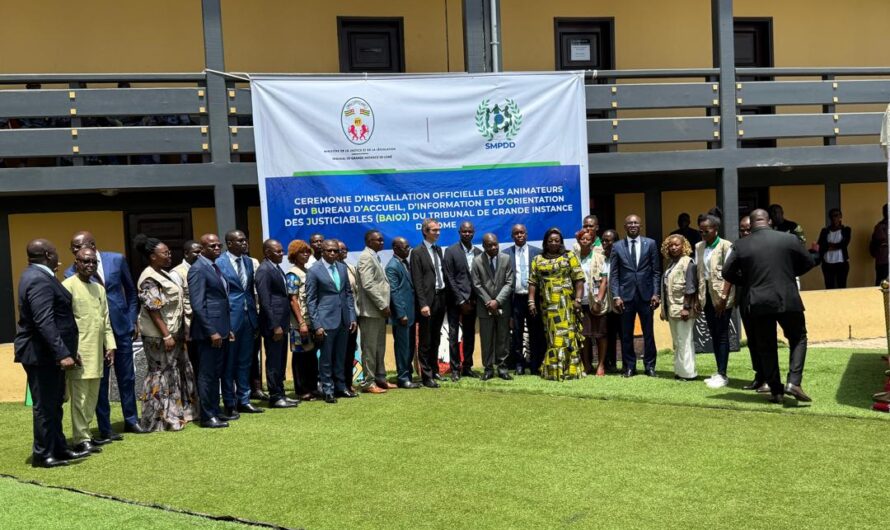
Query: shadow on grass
point(863, 376)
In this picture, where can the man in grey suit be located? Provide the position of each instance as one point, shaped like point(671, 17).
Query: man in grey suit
point(402, 303)
point(493, 279)
point(373, 310)
point(332, 312)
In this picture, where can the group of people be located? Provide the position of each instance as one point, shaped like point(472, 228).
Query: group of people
point(201, 321)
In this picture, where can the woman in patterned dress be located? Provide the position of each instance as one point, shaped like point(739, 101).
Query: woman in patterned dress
point(557, 274)
point(304, 362)
point(169, 398)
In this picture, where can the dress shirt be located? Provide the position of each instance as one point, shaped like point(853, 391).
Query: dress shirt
point(100, 270)
point(521, 260)
point(637, 244)
point(585, 266)
point(470, 255)
point(437, 263)
point(45, 269)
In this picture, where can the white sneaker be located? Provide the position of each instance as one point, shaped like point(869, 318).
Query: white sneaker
point(712, 378)
point(718, 381)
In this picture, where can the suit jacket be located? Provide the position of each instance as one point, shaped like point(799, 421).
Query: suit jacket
point(766, 264)
point(123, 300)
point(373, 287)
point(532, 252)
point(846, 236)
point(457, 274)
point(329, 307)
point(47, 331)
point(499, 287)
point(401, 291)
point(242, 304)
point(630, 281)
point(423, 274)
point(271, 289)
point(210, 302)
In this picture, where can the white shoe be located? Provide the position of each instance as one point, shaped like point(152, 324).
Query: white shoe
point(718, 381)
point(712, 378)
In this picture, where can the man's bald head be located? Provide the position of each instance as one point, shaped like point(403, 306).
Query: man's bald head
point(759, 217)
point(42, 252)
point(82, 239)
point(212, 248)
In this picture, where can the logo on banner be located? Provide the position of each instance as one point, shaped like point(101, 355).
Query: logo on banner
point(357, 120)
point(504, 118)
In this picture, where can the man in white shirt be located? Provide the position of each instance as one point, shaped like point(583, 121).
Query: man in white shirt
point(522, 255)
point(429, 289)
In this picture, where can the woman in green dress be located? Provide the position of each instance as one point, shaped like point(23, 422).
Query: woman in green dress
point(558, 276)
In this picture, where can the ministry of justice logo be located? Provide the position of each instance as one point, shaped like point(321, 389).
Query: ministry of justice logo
point(501, 118)
point(357, 120)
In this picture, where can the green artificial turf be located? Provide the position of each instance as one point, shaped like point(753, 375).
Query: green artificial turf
point(643, 453)
point(30, 506)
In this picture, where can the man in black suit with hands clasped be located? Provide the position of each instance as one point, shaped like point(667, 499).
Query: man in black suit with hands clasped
point(46, 346)
point(429, 287)
point(271, 289)
point(461, 302)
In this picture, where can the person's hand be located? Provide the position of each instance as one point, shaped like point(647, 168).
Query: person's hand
point(576, 304)
point(67, 363)
point(277, 334)
point(655, 301)
point(684, 314)
point(387, 312)
point(403, 321)
point(353, 326)
point(231, 336)
point(319, 334)
point(109, 357)
point(466, 308)
point(169, 343)
point(618, 304)
point(425, 311)
point(596, 307)
point(216, 340)
point(492, 306)
point(720, 306)
point(304, 331)
point(532, 309)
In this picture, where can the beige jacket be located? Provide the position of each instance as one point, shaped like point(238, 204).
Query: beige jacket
point(715, 266)
point(673, 290)
point(373, 287)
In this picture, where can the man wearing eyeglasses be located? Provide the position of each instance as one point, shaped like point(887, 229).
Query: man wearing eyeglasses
point(113, 273)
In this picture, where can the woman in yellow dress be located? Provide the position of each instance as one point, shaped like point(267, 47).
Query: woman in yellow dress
point(556, 273)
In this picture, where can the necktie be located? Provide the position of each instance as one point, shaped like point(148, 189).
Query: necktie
point(241, 274)
point(221, 279)
point(633, 251)
point(523, 269)
point(440, 284)
point(335, 275)
point(492, 267)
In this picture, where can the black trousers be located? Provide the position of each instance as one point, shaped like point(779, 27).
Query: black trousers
point(753, 348)
point(521, 318)
point(47, 385)
point(430, 334)
point(835, 274)
point(467, 325)
point(276, 364)
point(304, 368)
point(881, 271)
point(349, 358)
point(256, 374)
point(795, 330)
point(613, 337)
point(632, 308)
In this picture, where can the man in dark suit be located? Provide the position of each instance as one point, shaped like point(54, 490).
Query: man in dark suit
point(429, 287)
point(401, 292)
point(113, 273)
point(237, 269)
point(635, 276)
point(46, 346)
point(521, 256)
point(461, 301)
point(211, 328)
point(332, 312)
point(271, 289)
point(493, 282)
point(766, 264)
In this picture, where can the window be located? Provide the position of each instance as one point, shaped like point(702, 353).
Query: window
point(371, 44)
point(584, 44)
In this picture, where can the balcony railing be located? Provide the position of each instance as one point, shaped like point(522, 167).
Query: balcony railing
point(80, 119)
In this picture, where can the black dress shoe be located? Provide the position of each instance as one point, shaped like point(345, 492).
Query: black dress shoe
point(763, 389)
point(214, 423)
point(100, 441)
point(295, 402)
point(87, 447)
point(437, 377)
point(628, 373)
point(329, 398)
point(37, 461)
point(797, 392)
point(429, 383)
point(486, 375)
point(111, 436)
point(134, 428)
point(250, 409)
point(346, 394)
point(469, 372)
point(755, 384)
point(504, 375)
point(259, 395)
point(69, 454)
point(230, 414)
point(408, 385)
point(281, 404)
point(776, 398)
point(455, 377)
point(650, 372)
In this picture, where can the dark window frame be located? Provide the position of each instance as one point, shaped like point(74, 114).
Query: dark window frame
point(343, 23)
point(566, 22)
